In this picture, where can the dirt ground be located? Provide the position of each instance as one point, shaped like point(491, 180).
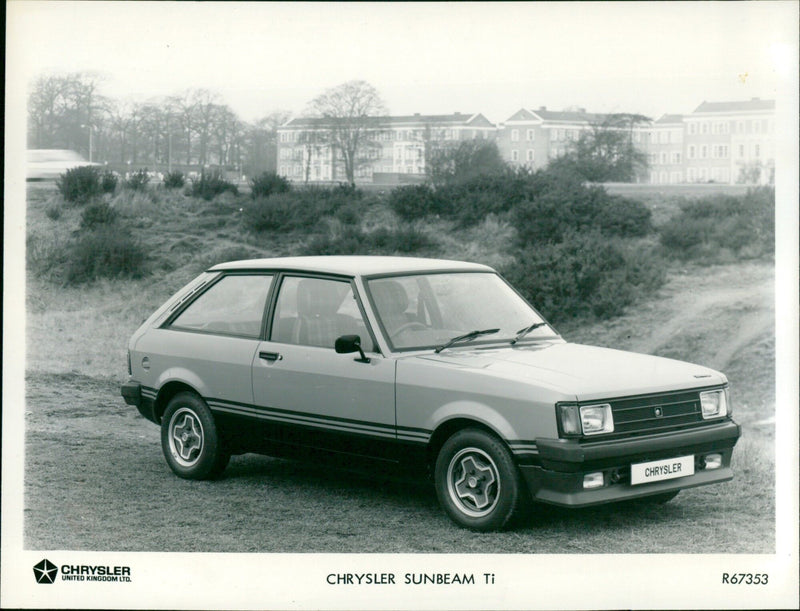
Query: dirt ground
point(95, 478)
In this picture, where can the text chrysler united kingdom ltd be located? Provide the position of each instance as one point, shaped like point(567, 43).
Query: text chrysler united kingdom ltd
point(439, 367)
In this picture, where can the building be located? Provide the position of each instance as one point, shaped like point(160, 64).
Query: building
point(394, 150)
point(532, 137)
point(731, 142)
point(662, 140)
point(719, 142)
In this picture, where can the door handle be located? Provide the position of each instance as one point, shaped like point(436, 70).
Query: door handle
point(270, 356)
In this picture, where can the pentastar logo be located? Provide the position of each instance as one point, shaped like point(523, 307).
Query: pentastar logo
point(45, 571)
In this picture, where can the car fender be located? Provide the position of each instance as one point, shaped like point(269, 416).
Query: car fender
point(184, 376)
point(472, 410)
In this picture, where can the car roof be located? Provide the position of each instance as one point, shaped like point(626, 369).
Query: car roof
point(352, 265)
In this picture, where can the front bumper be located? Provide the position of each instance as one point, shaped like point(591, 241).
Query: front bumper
point(558, 478)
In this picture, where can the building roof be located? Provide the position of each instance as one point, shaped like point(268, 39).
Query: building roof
point(353, 265)
point(752, 104)
point(455, 119)
point(669, 119)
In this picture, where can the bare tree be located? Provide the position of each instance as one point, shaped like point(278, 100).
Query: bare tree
point(349, 110)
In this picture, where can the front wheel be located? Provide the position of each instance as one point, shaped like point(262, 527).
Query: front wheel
point(477, 482)
point(190, 440)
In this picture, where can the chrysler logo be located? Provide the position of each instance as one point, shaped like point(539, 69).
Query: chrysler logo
point(657, 411)
point(45, 572)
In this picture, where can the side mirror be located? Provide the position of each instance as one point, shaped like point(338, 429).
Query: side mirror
point(350, 343)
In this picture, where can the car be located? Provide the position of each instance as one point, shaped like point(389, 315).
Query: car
point(439, 369)
point(49, 164)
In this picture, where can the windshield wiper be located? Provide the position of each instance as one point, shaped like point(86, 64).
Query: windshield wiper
point(525, 330)
point(465, 337)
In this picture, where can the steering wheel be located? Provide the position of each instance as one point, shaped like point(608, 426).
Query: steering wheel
point(408, 325)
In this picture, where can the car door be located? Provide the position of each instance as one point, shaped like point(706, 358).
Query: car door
point(311, 395)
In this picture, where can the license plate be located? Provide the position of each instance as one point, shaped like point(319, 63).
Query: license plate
point(658, 470)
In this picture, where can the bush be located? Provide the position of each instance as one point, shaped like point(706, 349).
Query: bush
point(570, 206)
point(304, 209)
point(79, 185)
point(54, 212)
point(268, 183)
point(138, 180)
point(174, 180)
point(104, 253)
point(352, 240)
point(723, 227)
point(418, 201)
point(97, 214)
point(108, 181)
point(587, 274)
point(211, 184)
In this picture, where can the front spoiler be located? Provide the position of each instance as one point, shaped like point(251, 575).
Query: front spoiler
point(558, 479)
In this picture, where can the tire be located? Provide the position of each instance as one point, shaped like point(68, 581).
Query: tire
point(190, 440)
point(477, 482)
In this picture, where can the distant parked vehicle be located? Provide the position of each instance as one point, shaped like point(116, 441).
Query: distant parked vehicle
point(49, 164)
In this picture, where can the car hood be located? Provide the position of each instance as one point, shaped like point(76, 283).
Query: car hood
point(585, 372)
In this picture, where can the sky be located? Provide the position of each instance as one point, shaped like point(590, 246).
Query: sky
point(494, 58)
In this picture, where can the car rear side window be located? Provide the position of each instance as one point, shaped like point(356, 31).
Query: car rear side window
point(232, 306)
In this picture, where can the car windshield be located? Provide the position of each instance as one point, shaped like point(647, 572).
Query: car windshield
point(428, 310)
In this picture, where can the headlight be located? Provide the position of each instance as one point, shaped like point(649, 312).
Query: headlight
point(597, 419)
point(714, 403)
point(586, 419)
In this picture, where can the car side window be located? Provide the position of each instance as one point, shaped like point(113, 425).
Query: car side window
point(315, 311)
point(232, 306)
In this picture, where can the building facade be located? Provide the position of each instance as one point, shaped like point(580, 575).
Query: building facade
point(719, 142)
point(394, 149)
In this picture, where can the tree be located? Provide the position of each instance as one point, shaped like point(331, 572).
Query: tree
point(349, 110)
point(606, 153)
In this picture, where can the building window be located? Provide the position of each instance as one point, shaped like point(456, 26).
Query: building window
point(741, 150)
point(691, 175)
point(515, 155)
point(529, 155)
point(531, 134)
point(704, 152)
point(692, 128)
point(704, 127)
point(663, 159)
point(514, 135)
point(757, 150)
point(663, 137)
point(691, 151)
point(676, 158)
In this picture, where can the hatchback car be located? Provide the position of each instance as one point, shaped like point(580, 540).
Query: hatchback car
point(439, 367)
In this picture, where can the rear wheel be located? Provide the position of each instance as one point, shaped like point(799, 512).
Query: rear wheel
point(190, 440)
point(477, 482)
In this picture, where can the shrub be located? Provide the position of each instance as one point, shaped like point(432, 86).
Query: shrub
point(723, 227)
point(97, 214)
point(587, 274)
point(54, 212)
point(300, 209)
point(174, 180)
point(108, 181)
point(138, 180)
point(569, 205)
point(210, 184)
point(268, 183)
point(418, 201)
point(352, 240)
point(79, 185)
point(104, 253)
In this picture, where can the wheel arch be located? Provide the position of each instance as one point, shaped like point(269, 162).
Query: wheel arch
point(165, 395)
point(450, 427)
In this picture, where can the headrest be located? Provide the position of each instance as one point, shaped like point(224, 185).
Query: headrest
point(390, 297)
point(317, 297)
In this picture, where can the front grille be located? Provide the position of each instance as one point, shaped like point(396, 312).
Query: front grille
point(654, 413)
